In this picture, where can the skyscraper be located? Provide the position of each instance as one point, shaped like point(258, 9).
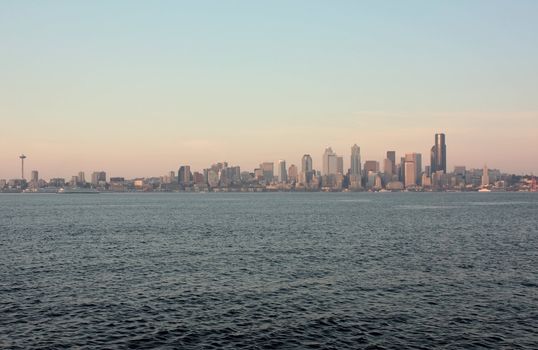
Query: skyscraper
point(438, 154)
point(355, 173)
point(401, 173)
point(282, 172)
point(212, 178)
point(371, 165)
point(81, 177)
point(306, 169)
point(416, 158)
point(391, 155)
point(355, 163)
point(306, 163)
point(339, 165)
point(388, 170)
point(184, 175)
point(293, 173)
point(268, 171)
point(329, 162)
point(410, 174)
point(35, 176)
point(485, 176)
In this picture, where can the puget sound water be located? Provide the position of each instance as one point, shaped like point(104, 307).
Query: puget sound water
point(269, 271)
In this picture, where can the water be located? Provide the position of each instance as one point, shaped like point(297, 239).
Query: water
point(271, 270)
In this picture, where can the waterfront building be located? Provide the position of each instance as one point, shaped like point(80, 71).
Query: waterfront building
point(391, 155)
point(371, 165)
point(410, 174)
point(388, 168)
point(339, 165)
point(315, 182)
point(416, 159)
point(378, 183)
point(81, 178)
point(34, 176)
point(198, 178)
point(98, 178)
point(235, 174)
point(170, 177)
point(338, 182)
point(398, 174)
point(329, 162)
point(485, 176)
point(306, 170)
point(355, 161)
point(258, 174)
point(401, 172)
point(371, 179)
point(355, 171)
point(19, 184)
point(306, 163)
point(229, 176)
point(438, 154)
point(292, 173)
point(225, 179)
point(282, 171)
point(306, 178)
point(268, 171)
point(247, 177)
point(426, 180)
point(117, 184)
point(460, 174)
point(473, 177)
point(418, 167)
point(184, 175)
point(427, 170)
point(138, 184)
point(212, 178)
point(164, 179)
point(57, 182)
point(440, 180)
point(355, 182)
point(395, 186)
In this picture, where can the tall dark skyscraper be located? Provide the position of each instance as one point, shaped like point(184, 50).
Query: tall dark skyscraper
point(438, 154)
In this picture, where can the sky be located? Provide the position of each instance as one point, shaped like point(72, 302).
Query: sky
point(137, 88)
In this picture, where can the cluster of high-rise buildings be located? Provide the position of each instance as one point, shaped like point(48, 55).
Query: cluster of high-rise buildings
point(406, 173)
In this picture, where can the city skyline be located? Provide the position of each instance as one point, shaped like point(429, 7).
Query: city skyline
point(409, 170)
point(345, 158)
point(408, 174)
point(137, 87)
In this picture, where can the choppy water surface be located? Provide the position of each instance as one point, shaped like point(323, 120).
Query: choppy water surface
point(273, 270)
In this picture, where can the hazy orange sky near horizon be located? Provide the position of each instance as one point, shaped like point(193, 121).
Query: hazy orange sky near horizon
point(134, 152)
point(138, 89)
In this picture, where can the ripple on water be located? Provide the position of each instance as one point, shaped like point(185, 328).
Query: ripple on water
point(266, 271)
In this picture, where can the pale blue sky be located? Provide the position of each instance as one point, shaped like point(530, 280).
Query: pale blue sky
point(139, 87)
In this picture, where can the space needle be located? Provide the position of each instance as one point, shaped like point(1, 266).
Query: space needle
point(22, 157)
